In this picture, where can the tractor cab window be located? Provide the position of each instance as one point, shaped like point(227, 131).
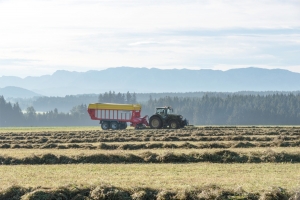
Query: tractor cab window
point(164, 111)
point(160, 111)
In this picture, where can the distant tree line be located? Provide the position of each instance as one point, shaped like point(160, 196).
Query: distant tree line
point(232, 109)
point(66, 103)
point(112, 97)
point(12, 115)
point(276, 109)
point(63, 104)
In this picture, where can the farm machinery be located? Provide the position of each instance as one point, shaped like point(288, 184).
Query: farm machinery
point(116, 116)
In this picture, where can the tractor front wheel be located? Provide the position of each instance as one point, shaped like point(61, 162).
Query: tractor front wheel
point(173, 124)
point(155, 122)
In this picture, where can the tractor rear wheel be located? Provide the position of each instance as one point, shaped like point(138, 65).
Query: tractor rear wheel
point(105, 125)
point(173, 124)
point(114, 125)
point(155, 122)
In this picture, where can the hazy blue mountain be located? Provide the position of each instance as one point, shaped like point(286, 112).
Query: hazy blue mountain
point(17, 92)
point(143, 80)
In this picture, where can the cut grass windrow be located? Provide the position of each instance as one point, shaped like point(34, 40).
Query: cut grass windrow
point(221, 156)
point(111, 192)
point(153, 145)
point(204, 134)
point(136, 138)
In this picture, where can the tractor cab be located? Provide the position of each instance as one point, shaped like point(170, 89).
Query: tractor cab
point(163, 111)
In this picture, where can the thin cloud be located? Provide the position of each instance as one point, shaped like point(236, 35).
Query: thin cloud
point(84, 35)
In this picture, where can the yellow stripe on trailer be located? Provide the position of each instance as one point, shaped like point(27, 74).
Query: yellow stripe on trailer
point(113, 106)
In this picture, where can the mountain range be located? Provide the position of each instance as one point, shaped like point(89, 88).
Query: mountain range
point(17, 92)
point(143, 80)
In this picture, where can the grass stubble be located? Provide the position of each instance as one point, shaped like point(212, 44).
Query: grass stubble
point(251, 177)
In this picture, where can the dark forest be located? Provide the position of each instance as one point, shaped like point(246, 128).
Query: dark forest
point(226, 109)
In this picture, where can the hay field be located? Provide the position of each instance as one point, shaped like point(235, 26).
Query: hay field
point(197, 163)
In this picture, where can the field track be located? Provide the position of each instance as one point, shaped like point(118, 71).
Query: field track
point(193, 146)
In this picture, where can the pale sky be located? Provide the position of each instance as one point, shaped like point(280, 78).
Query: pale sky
point(38, 37)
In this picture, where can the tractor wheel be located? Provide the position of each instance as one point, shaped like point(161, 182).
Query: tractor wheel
point(114, 125)
point(155, 122)
point(173, 124)
point(105, 125)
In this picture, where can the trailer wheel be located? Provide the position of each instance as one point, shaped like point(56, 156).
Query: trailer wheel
point(105, 125)
point(173, 124)
point(155, 122)
point(114, 125)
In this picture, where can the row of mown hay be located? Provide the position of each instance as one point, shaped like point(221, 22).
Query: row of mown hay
point(206, 145)
point(155, 145)
point(114, 193)
point(133, 138)
point(148, 134)
point(223, 156)
point(201, 131)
